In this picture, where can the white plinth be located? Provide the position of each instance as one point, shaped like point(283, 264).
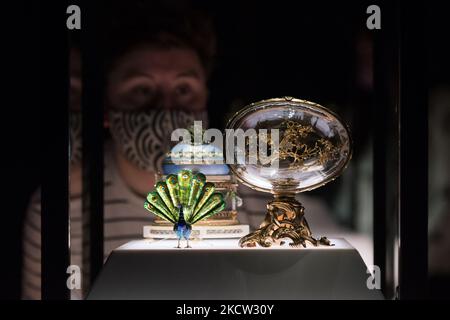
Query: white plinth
point(220, 269)
point(198, 232)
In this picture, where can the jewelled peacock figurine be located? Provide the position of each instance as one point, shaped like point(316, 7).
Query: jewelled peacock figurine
point(184, 199)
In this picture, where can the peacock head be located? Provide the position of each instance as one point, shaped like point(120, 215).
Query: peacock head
point(180, 209)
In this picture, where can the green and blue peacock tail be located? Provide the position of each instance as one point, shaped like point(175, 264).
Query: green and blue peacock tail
point(187, 190)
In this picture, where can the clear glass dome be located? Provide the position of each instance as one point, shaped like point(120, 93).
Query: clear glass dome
point(313, 145)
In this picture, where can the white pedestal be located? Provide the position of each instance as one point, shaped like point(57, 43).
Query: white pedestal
point(198, 232)
point(220, 269)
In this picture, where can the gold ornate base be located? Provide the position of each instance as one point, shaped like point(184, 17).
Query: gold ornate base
point(284, 219)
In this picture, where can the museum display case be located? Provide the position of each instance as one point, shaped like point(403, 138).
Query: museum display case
point(308, 147)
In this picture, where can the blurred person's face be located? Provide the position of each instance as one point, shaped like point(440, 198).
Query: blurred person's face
point(150, 78)
point(150, 93)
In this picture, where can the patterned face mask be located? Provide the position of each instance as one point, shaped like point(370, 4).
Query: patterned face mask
point(75, 151)
point(144, 136)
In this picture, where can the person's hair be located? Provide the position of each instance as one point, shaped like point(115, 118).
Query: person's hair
point(162, 28)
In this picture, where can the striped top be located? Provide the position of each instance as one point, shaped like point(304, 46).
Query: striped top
point(124, 217)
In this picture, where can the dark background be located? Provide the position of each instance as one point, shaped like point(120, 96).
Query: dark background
point(266, 49)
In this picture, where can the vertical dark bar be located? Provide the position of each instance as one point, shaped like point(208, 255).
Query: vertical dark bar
point(55, 145)
point(413, 267)
point(92, 122)
point(386, 154)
